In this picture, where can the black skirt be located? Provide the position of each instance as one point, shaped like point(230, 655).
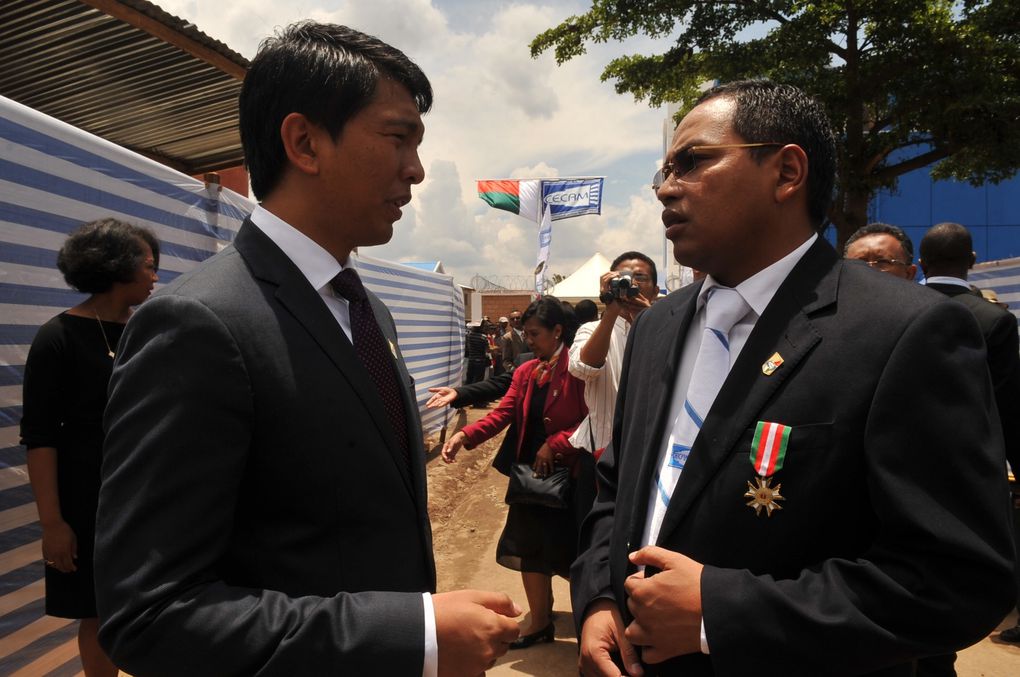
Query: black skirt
point(537, 539)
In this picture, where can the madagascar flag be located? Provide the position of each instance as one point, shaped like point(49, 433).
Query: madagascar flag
point(512, 195)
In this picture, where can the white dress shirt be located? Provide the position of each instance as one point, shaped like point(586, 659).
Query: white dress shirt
point(947, 279)
point(600, 385)
point(319, 268)
point(757, 291)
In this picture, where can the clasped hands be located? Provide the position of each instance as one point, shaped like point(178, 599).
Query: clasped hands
point(667, 617)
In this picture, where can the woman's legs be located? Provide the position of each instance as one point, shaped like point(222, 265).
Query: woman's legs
point(93, 659)
point(538, 588)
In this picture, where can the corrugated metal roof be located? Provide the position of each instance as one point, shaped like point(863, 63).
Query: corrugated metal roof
point(128, 72)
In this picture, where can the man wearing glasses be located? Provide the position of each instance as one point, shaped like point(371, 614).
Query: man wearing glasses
point(883, 247)
point(513, 341)
point(803, 477)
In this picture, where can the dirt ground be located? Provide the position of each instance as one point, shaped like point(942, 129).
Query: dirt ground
point(467, 510)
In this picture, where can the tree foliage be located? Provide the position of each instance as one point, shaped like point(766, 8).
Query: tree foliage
point(907, 83)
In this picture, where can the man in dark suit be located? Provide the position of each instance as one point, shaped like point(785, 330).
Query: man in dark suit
point(263, 508)
point(946, 256)
point(840, 506)
point(947, 253)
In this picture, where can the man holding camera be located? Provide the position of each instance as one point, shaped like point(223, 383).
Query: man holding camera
point(596, 355)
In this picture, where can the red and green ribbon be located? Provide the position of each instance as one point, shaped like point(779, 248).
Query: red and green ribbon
point(768, 448)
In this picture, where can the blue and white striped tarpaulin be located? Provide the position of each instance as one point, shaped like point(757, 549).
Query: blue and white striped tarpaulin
point(53, 178)
point(1002, 277)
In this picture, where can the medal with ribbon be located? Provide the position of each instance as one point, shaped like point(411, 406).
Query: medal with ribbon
point(768, 451)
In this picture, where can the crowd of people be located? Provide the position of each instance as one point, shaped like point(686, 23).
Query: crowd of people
point(795, 465)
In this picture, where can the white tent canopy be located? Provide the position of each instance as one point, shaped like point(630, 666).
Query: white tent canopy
point(584, 282)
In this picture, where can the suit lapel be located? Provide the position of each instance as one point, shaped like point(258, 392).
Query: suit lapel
point(416, 450)
point(270, 264)
point(785, 327)
point(668, 341)
point(521, 414)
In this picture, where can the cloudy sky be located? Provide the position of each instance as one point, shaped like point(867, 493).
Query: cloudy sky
point(498, 113)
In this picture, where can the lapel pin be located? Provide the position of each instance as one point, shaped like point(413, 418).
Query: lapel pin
point(393, 348)
point(771, 364)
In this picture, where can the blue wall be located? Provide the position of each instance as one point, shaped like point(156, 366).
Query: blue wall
point(990, 212)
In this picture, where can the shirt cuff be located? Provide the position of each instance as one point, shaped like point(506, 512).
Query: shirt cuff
point(430, 668)
point(704, 639)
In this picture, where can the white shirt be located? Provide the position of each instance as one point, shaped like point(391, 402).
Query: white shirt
point(946, 279)
point(319, 268)
point(757, 291)
point(600, 384)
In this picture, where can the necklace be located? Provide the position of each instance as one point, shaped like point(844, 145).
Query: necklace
point(109, 350)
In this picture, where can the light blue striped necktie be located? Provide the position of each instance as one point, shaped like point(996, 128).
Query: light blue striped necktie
point(724, 307)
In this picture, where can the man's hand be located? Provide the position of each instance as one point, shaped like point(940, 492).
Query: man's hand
point(667, 606)
point(441, 397)
point(473, 629)
point(625, 307)
point(601, 635)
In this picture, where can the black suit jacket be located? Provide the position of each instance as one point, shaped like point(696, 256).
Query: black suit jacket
point(256, 515)
point(893, 541)
point(999, 328)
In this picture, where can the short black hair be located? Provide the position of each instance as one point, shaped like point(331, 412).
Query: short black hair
point(878, 228)
point(326, 72)
point(769, 112)
point(550, 311)
point(947, 243)
point(627, 256)
point(100, 253)
point(586, 311)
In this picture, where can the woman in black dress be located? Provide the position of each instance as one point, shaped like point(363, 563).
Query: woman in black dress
point(66, 376)
point(543, 406)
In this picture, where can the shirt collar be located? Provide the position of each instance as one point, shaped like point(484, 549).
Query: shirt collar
point(759, 289)
point(946, 279)
point(314, 262)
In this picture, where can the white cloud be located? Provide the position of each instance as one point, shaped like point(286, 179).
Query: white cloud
point(497, 113)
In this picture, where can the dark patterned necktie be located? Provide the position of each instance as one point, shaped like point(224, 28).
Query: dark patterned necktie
point(374, 352)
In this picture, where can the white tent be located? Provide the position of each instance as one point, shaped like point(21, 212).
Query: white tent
point(584, 282)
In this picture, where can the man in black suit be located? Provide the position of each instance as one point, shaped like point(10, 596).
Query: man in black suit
point(946, 255)
point(841, 508)
point(263, 508)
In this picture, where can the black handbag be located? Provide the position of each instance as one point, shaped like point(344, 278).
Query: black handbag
point(526, 489)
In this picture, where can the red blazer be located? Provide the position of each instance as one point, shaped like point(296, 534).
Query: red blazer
point(564, 410)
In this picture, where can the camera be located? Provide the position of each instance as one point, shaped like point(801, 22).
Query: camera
point(621, 287)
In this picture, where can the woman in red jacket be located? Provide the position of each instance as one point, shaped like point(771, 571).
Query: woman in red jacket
point(545, 404)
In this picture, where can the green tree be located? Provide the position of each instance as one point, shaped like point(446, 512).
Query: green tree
point(907, 83)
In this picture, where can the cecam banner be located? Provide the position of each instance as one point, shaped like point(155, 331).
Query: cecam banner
point(572, 197)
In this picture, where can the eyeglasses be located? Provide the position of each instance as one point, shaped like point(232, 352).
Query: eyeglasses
point(686, 160)
point(885, 264)
point(515, 319)
point(641, 277)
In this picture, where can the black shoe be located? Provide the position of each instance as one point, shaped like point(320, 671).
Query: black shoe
point(1011, 634)
point(546, 634)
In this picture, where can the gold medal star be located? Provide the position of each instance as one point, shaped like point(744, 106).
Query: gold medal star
point(764, 496)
